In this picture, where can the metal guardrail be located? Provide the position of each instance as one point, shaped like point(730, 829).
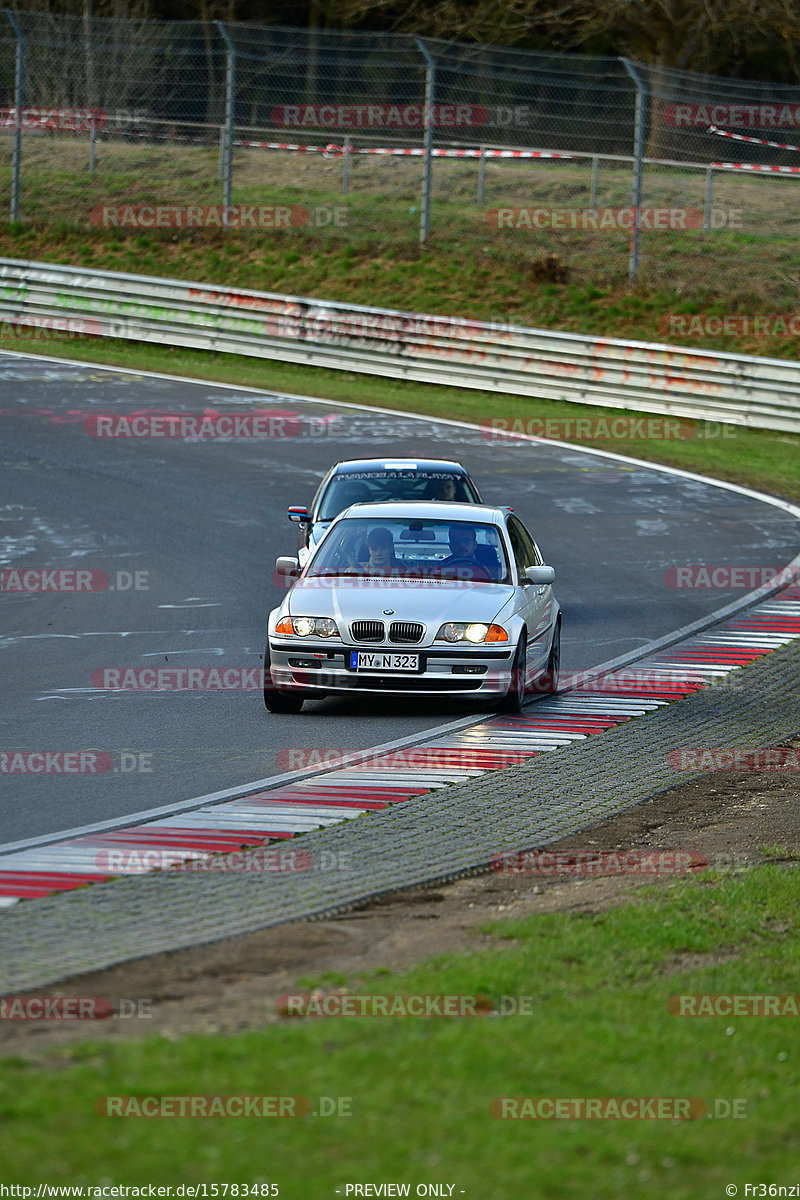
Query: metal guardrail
point(492, 356)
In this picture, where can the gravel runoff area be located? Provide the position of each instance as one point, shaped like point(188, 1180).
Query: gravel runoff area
point(433, 838)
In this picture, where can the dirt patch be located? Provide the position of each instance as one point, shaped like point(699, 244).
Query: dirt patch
point(732, 819)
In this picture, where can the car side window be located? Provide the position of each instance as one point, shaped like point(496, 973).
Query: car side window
point(316, 503)
point(524, 550)
point(518, 547)
point(530, 547)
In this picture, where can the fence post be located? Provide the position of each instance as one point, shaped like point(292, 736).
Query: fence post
point(482, 175)
point(19, 71)
point(593, 197)
point(707, 205)
point(430, 88)
point(227, 142)
point(346, 167)
point(92, 143)
point(638, 153)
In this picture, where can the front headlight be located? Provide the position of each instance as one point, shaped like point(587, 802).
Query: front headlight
point(307, 627)
point(474, 632)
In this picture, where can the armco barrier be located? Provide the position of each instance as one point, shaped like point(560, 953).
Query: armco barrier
point(492, 356)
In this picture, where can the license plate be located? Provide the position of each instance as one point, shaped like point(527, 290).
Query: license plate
point(360, 660)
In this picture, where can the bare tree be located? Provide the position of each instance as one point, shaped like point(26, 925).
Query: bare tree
point(714, 36)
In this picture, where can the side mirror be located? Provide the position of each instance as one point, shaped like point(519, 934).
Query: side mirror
point(540, 575)
point(287, 565)
point(299, 513)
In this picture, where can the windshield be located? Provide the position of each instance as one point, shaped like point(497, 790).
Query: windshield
point(357, 487)
point(412, 549)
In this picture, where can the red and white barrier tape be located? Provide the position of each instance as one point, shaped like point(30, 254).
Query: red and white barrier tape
point(740, 137)
point(734, 166)
point(333, 151)
point(469, 153)
point(327, 151)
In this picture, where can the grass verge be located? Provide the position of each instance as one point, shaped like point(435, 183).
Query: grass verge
point(420, 1089)
point(364, 247)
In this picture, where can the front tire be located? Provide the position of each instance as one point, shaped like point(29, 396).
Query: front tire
point(514, 698)
point(276, 701)
point(548, 681)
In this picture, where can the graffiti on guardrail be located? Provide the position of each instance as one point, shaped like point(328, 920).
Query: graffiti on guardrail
point(496, 356)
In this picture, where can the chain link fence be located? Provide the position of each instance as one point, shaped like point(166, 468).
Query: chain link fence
point(599, 168)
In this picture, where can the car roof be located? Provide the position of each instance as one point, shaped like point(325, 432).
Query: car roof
point(434, 510)
point(405, 464)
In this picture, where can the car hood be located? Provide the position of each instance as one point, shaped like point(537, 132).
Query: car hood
point(429, 601)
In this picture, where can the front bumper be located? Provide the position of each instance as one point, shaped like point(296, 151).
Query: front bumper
point(442, 670)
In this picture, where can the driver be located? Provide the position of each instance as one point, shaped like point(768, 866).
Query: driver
point(443, 489)
point(463, 541)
